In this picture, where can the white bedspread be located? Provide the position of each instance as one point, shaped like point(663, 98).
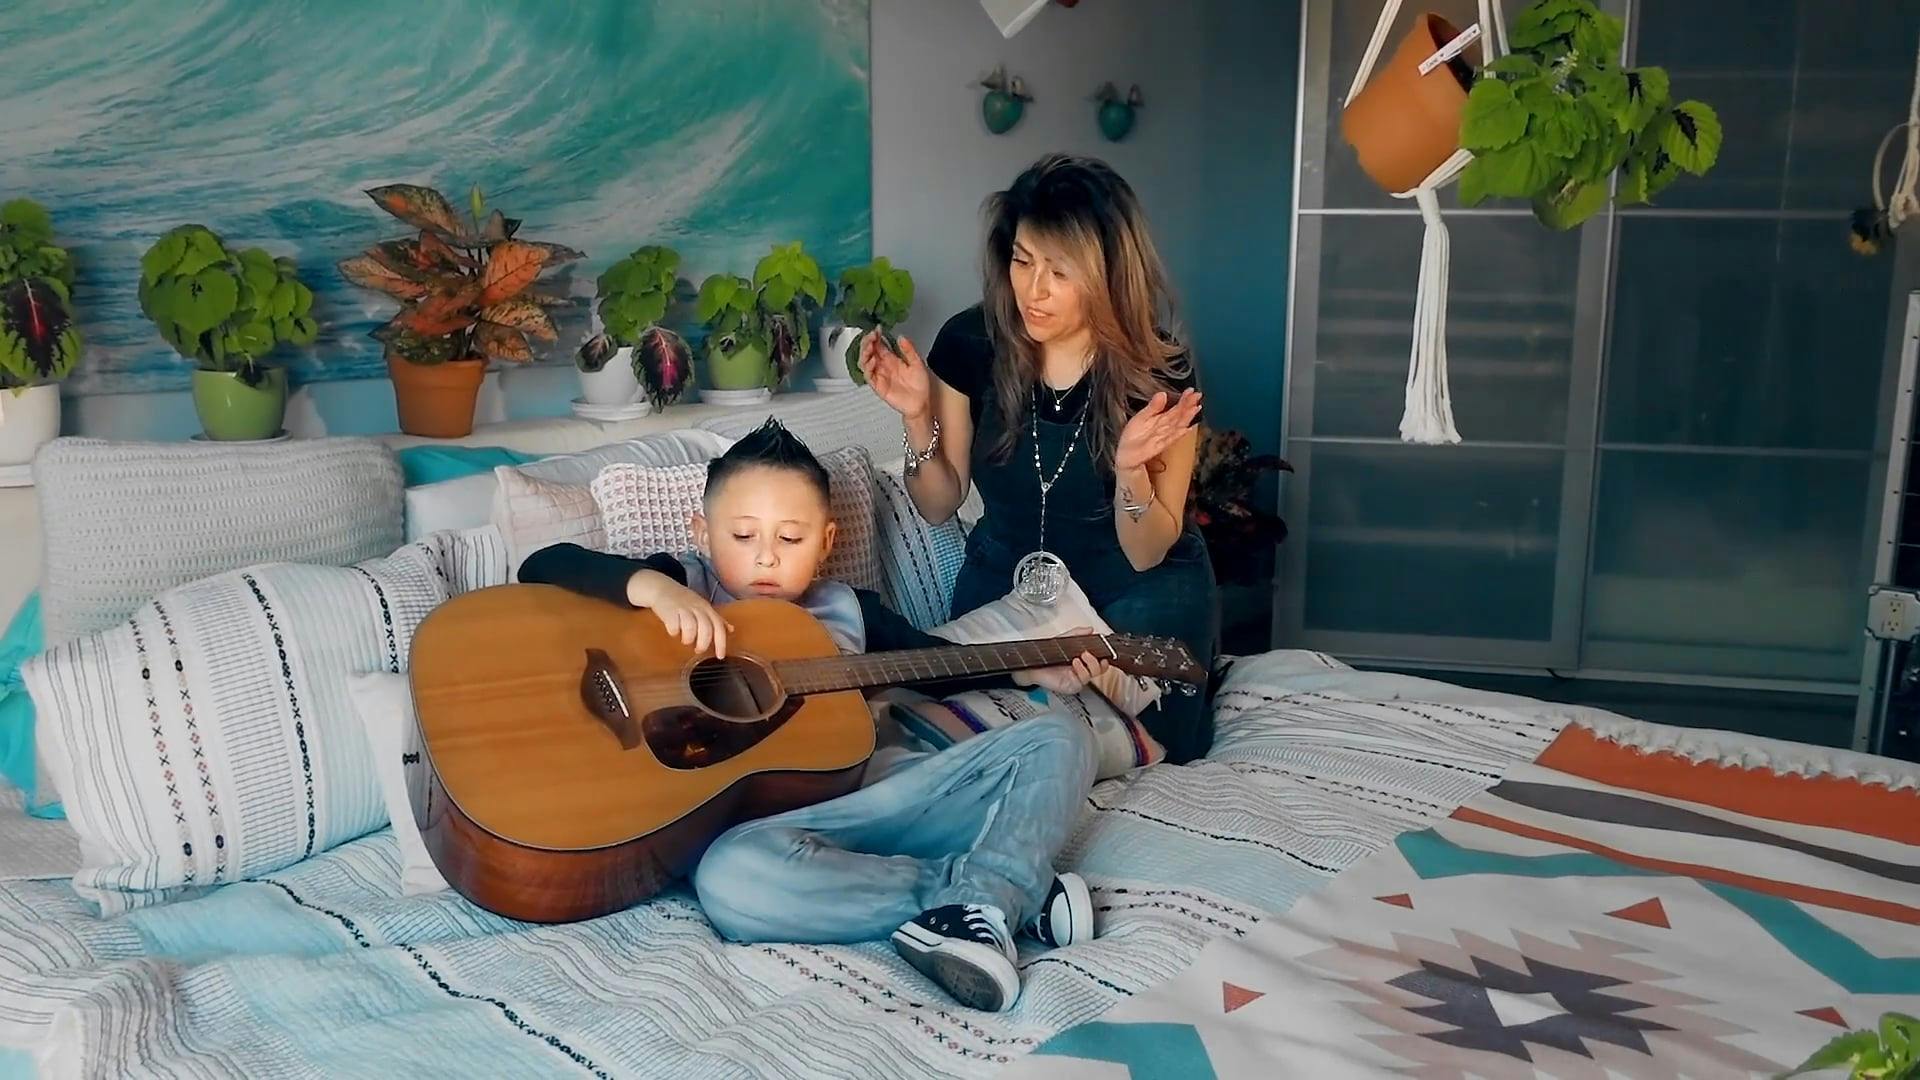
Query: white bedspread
point(324, 970)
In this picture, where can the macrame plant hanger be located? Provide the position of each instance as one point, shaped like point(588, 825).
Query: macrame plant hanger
point(1428, 417)
point(1905, 200)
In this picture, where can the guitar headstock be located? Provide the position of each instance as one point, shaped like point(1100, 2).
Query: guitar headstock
point(1161, 659)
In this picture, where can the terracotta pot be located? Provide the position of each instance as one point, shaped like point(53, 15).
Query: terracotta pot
point(1404, 124)
point(436, 400)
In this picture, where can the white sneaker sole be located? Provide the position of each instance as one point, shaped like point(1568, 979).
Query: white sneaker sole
point(1079, 913)
point(975, 975)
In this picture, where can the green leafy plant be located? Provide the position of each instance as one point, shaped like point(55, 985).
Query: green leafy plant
point(875, 298)
point(770, 312)
point(635, 295)
point(465, 283)
point(1555, 119)
point(225, 310)
point(38, 340)
point(1890, 1053)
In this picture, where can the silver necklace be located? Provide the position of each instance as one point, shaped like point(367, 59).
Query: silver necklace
point(1042, 576)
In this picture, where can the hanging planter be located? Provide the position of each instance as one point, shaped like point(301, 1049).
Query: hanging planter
point(1405, 122)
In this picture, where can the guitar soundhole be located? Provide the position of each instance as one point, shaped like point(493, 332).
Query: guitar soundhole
point(734, 688)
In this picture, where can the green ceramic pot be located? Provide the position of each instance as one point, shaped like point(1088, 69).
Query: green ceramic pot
point(230, 410)
point(745, 368)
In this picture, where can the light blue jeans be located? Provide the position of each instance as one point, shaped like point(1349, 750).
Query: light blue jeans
point(978, 823)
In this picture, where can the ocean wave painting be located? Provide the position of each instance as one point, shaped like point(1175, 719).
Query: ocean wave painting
point(719, 127)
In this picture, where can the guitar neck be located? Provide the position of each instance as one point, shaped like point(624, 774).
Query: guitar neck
point(871, 670)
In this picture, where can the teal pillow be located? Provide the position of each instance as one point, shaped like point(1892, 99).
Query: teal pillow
point(432, 464)
point(21, 643)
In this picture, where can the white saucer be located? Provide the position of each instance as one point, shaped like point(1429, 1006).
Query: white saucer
point(12, 476)
point(202, 437)
point(736, 397)
point(608, 414)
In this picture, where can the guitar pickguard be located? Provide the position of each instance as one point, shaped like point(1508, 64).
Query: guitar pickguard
point(689, 737)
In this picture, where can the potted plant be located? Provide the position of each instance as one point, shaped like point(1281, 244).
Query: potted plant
point(757, 330)
point(1554, 120)
point(1241, 533)
point(38, 342)
point(226, 311)
point(1889, 1052)
point(873, 297)
point(466, 291)
point(633, 350)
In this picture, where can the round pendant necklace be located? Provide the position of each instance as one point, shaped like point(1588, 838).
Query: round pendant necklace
point(1042, 576)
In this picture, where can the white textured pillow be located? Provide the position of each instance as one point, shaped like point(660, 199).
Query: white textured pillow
point(649, 509)
point(211, 737)
point(547, 502)
point(919, 562)
point(384, 703)
point(1011, 618)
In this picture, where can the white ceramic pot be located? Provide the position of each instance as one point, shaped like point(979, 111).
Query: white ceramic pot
point(614, 384)
point(28, 420)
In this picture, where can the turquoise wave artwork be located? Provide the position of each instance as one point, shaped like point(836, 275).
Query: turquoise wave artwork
point(719, 127)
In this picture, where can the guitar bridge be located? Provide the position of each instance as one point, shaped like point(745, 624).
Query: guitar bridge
point(602, 693)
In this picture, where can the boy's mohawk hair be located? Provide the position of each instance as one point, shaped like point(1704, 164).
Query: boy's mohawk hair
point(769, 446)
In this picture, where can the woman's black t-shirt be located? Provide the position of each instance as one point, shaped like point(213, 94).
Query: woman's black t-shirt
point(1079, 504)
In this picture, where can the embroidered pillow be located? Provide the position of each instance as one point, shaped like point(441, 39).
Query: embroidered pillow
point(211, 737)
point(918, 562)
point(646, 509)
point(1122, 743)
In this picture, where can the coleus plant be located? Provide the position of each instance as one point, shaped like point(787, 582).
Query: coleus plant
point(38, 340)
point(770, 312)
point(465, 283)
point(1557, 117)
point(1889, 1052)
point(223, 309)
point(876, 298)
point(635, 294)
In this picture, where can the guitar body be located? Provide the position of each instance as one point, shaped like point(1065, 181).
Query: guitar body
point(576, 758)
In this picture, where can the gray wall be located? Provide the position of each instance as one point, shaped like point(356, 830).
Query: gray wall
point(1211, 156)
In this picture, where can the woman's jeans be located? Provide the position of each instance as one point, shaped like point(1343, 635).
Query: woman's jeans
point(1177, 599)
point(978, 823)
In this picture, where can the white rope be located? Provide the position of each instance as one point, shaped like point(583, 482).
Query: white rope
point(1905, 202)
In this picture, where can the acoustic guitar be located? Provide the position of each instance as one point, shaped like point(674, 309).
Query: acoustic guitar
point(574, 758)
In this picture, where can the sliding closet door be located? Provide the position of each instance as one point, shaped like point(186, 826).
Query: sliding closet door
point(1470, 553)
point(1744, 363)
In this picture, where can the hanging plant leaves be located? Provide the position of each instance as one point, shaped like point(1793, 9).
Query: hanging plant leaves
point(37, 338)
point(1692, 139)
point(502, 343)
point(421, 207)
point(1647, 93)
point(1493, 118)
point(664, 362)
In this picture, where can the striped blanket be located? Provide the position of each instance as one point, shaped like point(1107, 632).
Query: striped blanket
point(1640, 901)
point(325, 970)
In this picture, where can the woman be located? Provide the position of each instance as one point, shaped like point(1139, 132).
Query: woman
point(1061, 400)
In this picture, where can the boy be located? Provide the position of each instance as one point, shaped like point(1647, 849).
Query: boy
point(943, 852)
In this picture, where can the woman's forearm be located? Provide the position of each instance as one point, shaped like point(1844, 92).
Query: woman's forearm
point(1147, 527)
point(934, 486)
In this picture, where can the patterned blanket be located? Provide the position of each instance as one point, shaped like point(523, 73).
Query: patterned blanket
point(1641, 901)
point(325, 970)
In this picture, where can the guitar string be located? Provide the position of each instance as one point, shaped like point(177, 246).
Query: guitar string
point(937, 660)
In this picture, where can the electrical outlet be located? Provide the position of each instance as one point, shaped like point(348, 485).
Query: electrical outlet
point(1893, 614)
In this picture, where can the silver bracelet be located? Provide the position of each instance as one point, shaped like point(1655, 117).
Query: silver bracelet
point(917, 458)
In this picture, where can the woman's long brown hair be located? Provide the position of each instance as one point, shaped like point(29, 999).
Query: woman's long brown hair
point(1083, 209)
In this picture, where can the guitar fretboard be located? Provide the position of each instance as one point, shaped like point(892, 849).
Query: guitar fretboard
point(825, 674)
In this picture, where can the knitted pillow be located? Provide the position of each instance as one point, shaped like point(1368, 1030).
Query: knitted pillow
point(649, 509)
point(211, 737)
point(123, 522)
point(918, 562)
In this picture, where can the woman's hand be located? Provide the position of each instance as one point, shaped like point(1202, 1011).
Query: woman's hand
point(1066, 679)
point(1154, 428)
point(900, 378)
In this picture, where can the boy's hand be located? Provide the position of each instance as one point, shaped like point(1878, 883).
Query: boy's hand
point(682, 611)
point(1066, 679)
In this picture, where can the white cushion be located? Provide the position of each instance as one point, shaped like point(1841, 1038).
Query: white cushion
point(211, 738)
point(649, 509)
point(384, 703)
point(1012, 618)
point(547, 502)
point(919, 563)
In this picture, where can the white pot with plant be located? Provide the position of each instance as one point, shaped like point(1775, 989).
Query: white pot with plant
point(38, 343)
point(635, 359)
point(877, 296)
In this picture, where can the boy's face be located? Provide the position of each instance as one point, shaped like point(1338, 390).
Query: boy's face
point(766, 531)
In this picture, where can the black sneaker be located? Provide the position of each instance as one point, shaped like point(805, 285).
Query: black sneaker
point(967, 950)
point(1067, 915)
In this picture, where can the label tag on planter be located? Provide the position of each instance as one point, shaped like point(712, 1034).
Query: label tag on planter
point(1451, 49)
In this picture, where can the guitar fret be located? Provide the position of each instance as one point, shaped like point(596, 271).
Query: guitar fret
point(825, 674)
